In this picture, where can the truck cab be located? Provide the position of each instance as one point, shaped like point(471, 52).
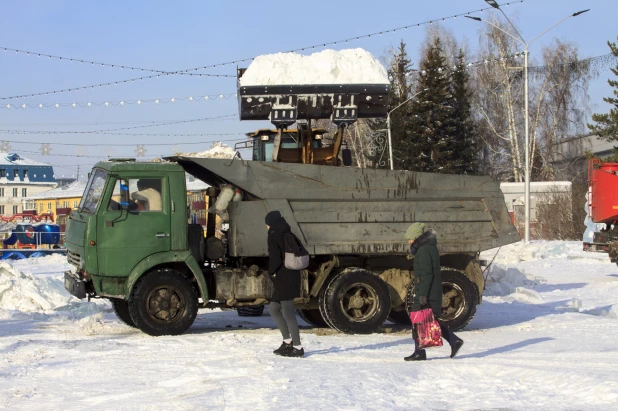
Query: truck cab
point(131, 227)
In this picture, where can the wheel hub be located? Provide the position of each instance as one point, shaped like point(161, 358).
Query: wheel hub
point(359, 302)
point(165, 304)
point(453, 301)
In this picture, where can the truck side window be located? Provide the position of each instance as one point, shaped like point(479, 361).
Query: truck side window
point(147, 194)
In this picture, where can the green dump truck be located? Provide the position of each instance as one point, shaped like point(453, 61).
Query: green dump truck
point(130, 239)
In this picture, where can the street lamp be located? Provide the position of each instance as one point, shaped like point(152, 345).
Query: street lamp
point(388, 126)
point(519, 38)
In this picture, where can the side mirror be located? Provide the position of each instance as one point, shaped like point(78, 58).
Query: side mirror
point(125, 202)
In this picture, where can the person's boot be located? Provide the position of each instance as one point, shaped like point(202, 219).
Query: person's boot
point(455, 347)
point(283, 348)
point(419, 355)
point(293, 352)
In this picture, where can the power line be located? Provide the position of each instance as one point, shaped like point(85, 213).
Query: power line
point(111, 83)
point(186, 71)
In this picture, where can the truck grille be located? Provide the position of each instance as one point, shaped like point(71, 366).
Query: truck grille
point(74, 259)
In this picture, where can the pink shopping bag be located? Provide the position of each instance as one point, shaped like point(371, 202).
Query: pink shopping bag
point(426, 329)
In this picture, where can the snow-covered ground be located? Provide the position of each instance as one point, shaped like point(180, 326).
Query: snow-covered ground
point(545, 338)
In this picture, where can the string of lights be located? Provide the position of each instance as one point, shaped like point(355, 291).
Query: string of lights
point(234, 62)
point(122, 103)
point(124, 134)
point(6, 144)
point(154, 124)
point(111, 83)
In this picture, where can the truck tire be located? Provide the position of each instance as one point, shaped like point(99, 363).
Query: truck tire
point(121, 308)
point(313, 317)
point(355, 301)
point(459, 299)
point(250, 311)
point(400, 317)
point(163, 302)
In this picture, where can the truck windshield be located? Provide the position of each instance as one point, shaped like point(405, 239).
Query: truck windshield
point(93, 192)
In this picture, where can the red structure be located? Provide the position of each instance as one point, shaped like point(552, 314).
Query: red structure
point(29, 216)
point(603, 191)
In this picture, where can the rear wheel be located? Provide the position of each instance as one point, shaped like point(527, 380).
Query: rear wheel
point(400, 317)
point(250, 311)
point(163, 302)
point(355, 301)
point(459, 299)
point(313, 317)
point(121, 308)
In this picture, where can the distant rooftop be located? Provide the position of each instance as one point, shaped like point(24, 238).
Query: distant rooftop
point(73, 190)
point(15, 159)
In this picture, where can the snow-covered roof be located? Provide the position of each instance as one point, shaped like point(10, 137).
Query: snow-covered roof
point(350, 66)
point(16, 159)
point(73, 190)
point(193, 184)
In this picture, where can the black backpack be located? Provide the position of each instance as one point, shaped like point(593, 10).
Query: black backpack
point(296, 256)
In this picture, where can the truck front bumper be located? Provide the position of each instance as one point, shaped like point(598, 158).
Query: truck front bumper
point(74, 284)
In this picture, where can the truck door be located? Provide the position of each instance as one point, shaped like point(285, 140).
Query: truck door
point(125, 237)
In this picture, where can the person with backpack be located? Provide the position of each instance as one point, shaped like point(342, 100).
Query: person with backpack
point(428, 283)
point(287, 287)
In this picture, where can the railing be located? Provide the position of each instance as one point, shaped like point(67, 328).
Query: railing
point(37, 245)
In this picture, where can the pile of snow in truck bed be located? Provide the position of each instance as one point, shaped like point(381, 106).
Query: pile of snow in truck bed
point(217, 150)
point(351, 66)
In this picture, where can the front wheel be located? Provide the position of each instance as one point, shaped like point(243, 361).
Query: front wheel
point(121, 308)
point(163, 302)
point(355, 301)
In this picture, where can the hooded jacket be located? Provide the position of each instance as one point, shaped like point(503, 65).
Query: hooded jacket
point(286, 281)
point(427, 278)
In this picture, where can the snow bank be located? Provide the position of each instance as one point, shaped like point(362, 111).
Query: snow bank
point(351, 66)
point(24, 292)
point(503, 280)
point(217, 150)
point(540, 250)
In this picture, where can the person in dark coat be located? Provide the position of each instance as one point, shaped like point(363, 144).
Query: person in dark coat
point(287, 288)
point(428, 283)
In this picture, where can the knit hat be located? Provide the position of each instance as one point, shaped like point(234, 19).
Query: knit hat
point(415, 230)
point(272, 218)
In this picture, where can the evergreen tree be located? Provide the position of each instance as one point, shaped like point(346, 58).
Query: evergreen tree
point(430, 143)
point(466, 139)
point(607, 124)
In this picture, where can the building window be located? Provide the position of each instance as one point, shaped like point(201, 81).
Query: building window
point(1, 209)
point(16, 173)
point(65, 204)
point(24, 192)
point(75, 204)
point(48, 206)
point(40, 206)
point(14, 192)
point(15, 209)
point(2, 172)
point(2, 192)
point(25, 173)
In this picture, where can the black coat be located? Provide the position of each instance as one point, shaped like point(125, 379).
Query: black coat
point(286, 282)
